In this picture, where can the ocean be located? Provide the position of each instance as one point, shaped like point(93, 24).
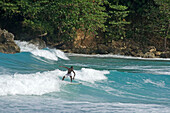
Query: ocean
point(31, 82)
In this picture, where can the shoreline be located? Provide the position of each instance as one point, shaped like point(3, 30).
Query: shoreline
point(116, 56)
point(92, 46)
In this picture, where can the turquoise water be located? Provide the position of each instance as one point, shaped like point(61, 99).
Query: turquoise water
point(30, 82)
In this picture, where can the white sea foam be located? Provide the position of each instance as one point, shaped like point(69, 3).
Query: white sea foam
point(115, 56)
point(123, 108)
point(28, 84)
point(164, 70)
point(59, 54)
point(35, 104)
point(25, 46)
point(45, 82)
point(159, 83)
point(162, 73)
point(3, 70)
point(91, 75)
point(88, 75)
point(51, 54)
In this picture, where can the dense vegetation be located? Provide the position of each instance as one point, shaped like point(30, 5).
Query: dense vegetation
point(114, 19)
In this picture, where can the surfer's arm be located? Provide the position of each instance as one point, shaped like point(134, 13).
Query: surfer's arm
point(74, 75)
point(64, 67)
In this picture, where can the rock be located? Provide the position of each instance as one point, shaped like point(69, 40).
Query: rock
point(127, 51)
point(140, 54)
point(158, 53)
point(133, 53)
point(102, 49)
point(149, 55)
point(152, 49)
point(7, 44)
point(8, 37)
point(83, 50)
point(9, 48)
point(38, 42)
point(165, 54)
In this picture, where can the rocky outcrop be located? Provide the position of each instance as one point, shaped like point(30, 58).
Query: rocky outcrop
point(127, 47)
point(149, 55)
point(38, 42)
point(7, 44)
point(165, 54)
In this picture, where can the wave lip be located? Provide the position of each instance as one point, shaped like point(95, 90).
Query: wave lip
point(59, 54)
point(47, 53)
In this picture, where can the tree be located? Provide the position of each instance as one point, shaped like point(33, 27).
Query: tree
point(62, 18)
point(116, 21)
point(164, 10)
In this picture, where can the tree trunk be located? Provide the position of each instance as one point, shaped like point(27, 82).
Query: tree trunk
point(165, 39)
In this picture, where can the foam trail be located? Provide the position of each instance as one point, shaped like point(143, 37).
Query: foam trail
point(159, 84)
point(164, 70)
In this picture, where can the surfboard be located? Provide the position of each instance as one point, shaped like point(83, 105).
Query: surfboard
point(71, 83)
point(74, 83)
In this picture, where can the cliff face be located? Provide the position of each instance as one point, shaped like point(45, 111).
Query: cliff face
point(7, 44)
point(89, 44)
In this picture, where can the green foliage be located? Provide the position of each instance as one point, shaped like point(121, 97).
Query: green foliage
point(164, 21)
point(62, 18)
point(68, 16)
point(116, 21)
point(136, 6)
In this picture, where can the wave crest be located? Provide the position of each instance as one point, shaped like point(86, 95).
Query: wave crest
point(47, 53)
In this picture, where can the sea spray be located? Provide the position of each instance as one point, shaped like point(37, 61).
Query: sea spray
point(51, 54)
point(91, 75)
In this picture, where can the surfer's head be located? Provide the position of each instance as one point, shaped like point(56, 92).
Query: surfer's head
point(71, 67)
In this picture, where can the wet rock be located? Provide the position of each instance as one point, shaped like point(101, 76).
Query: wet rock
point(140, 54)
point(152, 49)
point(158, 53)
point(38, 42)
point(149, 55)
point(7, 44)
point(165, 54)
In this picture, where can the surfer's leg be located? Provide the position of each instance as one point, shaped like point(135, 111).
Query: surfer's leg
point(63, 77)
point(71, 78)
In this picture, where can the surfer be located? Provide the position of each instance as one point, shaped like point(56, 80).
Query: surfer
point(69, 72)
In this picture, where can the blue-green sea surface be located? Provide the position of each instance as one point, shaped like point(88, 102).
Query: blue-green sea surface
point(30, 82)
